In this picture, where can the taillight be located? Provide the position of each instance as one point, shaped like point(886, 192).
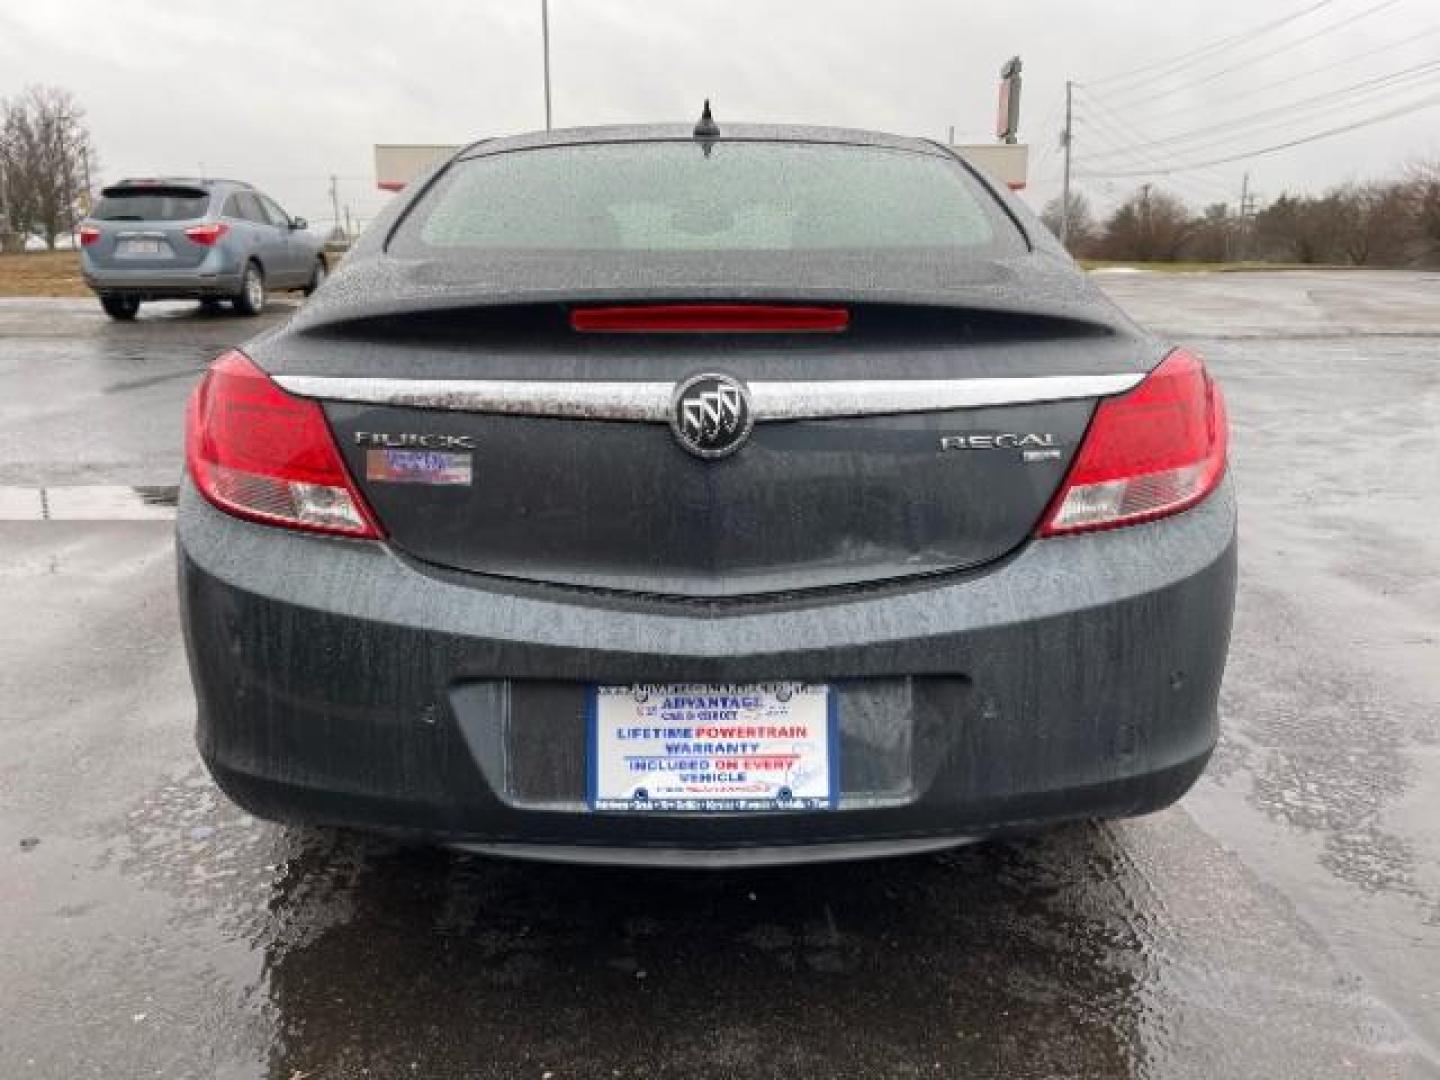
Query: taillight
point(88, 235)
point(710, 319)
point(259, 453)
point(208, 233)
point(1154, 451)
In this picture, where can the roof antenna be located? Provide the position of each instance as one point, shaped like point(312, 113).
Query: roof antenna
point(707, 128)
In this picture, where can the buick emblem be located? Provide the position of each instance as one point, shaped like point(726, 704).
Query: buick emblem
point(710, 415)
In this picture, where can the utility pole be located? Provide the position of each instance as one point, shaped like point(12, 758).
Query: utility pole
point(1247, 211)
point(334, 202)
point(1244, 198)
point(545, 39)
point(1065, 141)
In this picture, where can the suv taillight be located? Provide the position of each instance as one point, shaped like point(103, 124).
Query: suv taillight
point(1152, 452)
point(259, 453)
point(207, 234)
point(88, 235)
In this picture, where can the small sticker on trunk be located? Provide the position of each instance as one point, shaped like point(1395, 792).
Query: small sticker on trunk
point(388, 466)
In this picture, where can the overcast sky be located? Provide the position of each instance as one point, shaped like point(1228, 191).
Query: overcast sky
point(285, 94)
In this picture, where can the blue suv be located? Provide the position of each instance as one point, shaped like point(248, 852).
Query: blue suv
point(185, 239)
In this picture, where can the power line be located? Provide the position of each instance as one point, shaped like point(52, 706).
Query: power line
point(1137, 141)
point(1283, 124)
point(1404, 110)
point(1199, 184)
point(1054, 113)
point(1201, 187)
point(1134, 144)
point(1297, 77)
point(1050, 144)
point(1194, 55)
point(1111, 144)
point(1366, 87)
point(1220, 72)
point(1189, 192)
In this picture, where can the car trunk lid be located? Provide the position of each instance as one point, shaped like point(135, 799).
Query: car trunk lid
point(918, 440)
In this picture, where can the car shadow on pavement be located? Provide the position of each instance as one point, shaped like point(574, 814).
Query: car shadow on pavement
point(1000, 953)
point(1125, 949)
point(182, 311)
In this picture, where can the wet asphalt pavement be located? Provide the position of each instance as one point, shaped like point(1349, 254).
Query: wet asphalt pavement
point(1283, 921)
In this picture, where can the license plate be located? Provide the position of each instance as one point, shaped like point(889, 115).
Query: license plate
point(139, 247)
point(713, 747)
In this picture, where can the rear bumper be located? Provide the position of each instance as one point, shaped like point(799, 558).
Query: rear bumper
point(338, 682)
point(211, 278)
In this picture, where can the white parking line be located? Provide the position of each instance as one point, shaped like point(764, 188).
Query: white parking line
point(89, 502)
point(21, 504)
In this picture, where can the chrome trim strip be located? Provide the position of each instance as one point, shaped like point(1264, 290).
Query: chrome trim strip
point(651, 401)
point(876, 397)
point(568, 400)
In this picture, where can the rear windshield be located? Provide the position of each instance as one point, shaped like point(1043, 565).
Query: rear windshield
point(151, 204)
point(673, 196)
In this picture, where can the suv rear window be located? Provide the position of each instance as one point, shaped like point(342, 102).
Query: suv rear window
point(673, 196)
point(152, 204)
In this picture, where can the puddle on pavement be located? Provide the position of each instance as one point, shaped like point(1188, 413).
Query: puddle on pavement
point(1096, 951)
point(1325, 753)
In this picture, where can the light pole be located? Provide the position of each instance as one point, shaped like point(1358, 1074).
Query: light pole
point(545, 40)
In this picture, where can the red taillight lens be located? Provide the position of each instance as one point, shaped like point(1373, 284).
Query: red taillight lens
point(259, 453)
point(207, 234)
point(1155, 451)
point(88, 235)
point(710, 319)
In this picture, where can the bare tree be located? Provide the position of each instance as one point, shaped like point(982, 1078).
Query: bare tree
point(46, 162)
point(1422, 184)
point(16, 193)
point(1297, 229)
point(1388, 223)
point(1214, 235)
point(1150, 226)
point(1372, 222)
point(1082, 221)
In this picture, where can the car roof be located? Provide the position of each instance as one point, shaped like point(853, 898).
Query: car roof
point(580, 136)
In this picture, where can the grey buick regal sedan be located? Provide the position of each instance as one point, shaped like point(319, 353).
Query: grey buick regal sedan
point(706, 497)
